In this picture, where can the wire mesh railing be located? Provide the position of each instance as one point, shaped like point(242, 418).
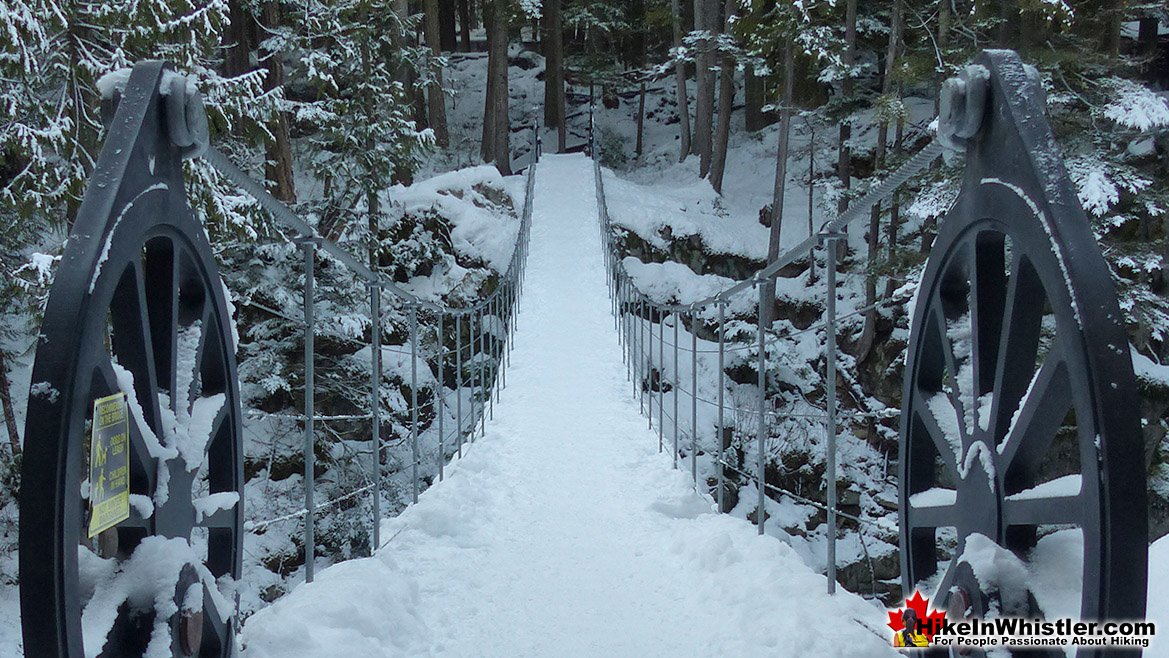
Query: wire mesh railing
point(656, 359)
point(467, 346)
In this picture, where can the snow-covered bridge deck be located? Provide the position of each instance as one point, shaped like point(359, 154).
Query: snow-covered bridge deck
point(564, 532)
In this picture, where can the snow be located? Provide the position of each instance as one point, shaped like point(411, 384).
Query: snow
point(114, 81)
point(1044, 221)
point(1135, 106)
point(109, 239)
point(983, 453)
point(946, 417)
point(1061, 487)
point(1158, 597)
point(674, 283)
point(563, 531)
point(209, 505)
point(232, 315)
point(143, 505)
point(1011, 436)
point(1147, 369)
point(935, 497)
point(994, 565)
point(1056, 573)
point(477, 231)
point(1096, 191)
point(146, 580)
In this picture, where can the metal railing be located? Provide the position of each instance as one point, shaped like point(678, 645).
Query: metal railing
point(485, 354)
point(652, 371)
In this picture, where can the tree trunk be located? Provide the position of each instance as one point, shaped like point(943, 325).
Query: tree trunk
point(497, 40)
point(1147, 36)
point(943, 40)
point(848, 87)
point(236, 42)
point(371, 194)
point(869, 333)
point(278, 166)
point(1009, 32)
point(1114, 24)
point(487, 146)
point(811, 196)
point(436, 98)
point(704, 21)
point(448, 40)
point(7, 407)
point(680, 81)
point(753, 115)
point(778, 192)
point(465, 24)
point(554, 110)
point(895, 211)
point(726, 103)
point(641, 120)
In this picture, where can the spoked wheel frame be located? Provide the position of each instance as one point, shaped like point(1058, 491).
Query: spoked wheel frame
point(137, 307)
point(1016, 337)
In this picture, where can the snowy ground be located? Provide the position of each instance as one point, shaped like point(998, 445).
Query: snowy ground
point(564, 532)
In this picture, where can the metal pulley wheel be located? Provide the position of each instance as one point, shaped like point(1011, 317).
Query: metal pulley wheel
point(1021, 463)
point(137, 309)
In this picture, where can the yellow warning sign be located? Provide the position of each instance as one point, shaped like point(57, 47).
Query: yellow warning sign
point(109, 477)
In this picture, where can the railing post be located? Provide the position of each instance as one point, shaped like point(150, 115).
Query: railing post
point(375, 316)
point(504, 306)
point(761, 475)
point(661, 381)
point(439, 398)
point(476, 364)
point(309, 245)
point(677, 386)
point(620, 320)
point(694, 395)
point(483, 372)
point(491, 386)
point(459, 384)
point(830, 388)
point(643, 357)
point(414, 397)
point(721, 431)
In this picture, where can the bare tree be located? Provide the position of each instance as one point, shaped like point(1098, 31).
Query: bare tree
point(496, 129)
point(465, 25)
point(680, 77)
point(726, 104)
point(705, 21)
point(848, 87)
point(237, 40)
point(777, 197)
point(278, 166)
point(447, 40)
point(7, 407)
point(553, 43)
point(868, 335)
point(436, 98)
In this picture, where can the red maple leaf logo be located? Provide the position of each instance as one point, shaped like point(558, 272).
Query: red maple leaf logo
point(930, 621)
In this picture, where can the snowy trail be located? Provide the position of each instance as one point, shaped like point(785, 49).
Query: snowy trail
point(563, 532)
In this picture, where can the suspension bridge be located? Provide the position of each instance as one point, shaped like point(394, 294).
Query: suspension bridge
point(569, 526)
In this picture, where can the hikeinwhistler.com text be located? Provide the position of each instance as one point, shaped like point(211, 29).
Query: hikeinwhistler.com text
point(1019, 632)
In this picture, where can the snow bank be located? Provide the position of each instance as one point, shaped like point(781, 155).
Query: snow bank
point(478, 229)
point(1158, 602)
point(357, 609)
